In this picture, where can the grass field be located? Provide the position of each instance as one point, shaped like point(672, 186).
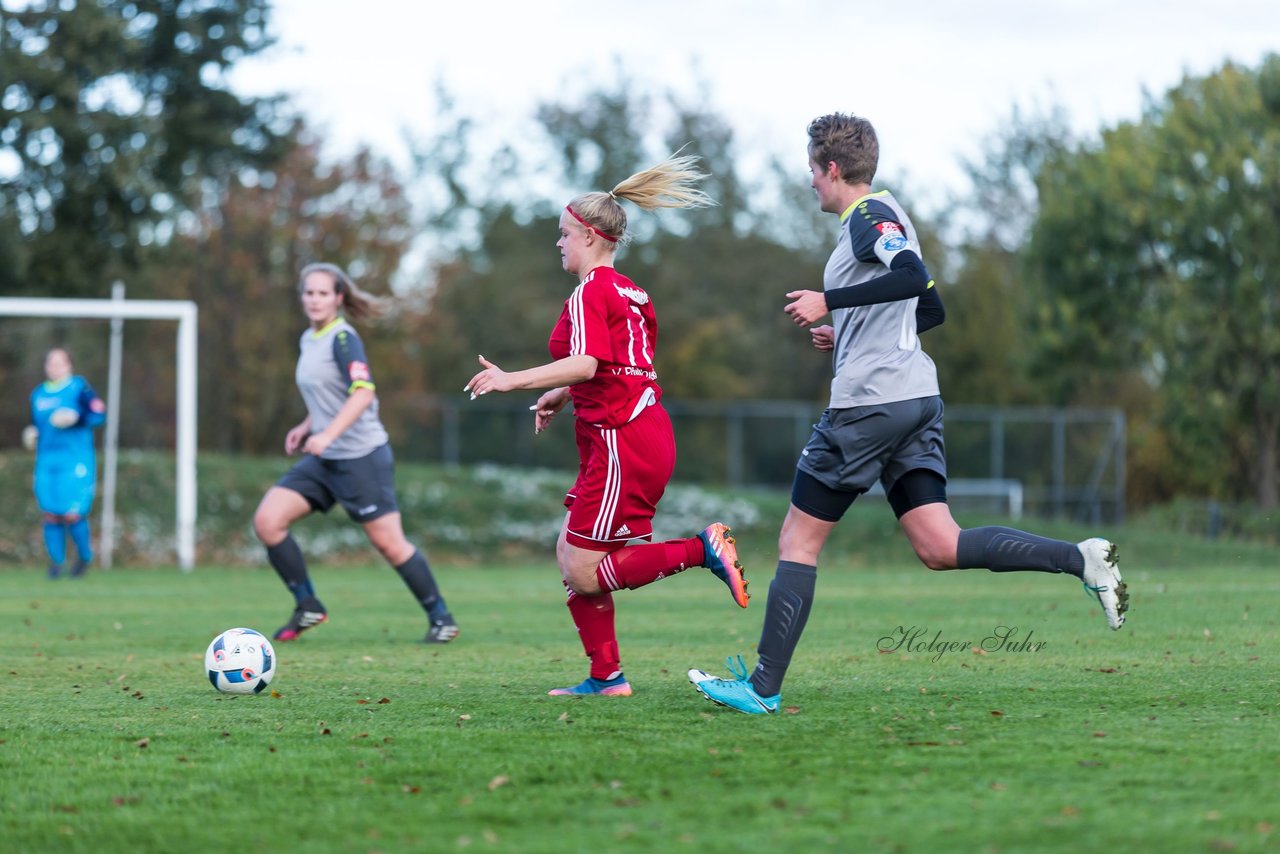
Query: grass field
point(1160, 737)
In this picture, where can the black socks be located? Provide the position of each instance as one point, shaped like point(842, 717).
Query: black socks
point(287, 560)
point(1007, 550)
point(787, 611)
point(417, 575)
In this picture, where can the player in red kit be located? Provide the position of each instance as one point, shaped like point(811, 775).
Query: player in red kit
point(603, 350)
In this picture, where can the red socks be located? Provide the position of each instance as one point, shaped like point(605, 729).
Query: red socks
point(593, 615)
point(631, 567)
point(636, 566)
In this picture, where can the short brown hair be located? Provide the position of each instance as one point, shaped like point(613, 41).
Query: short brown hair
point(847, 140)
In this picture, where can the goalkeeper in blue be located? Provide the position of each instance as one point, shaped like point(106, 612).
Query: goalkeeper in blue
point(64, 412)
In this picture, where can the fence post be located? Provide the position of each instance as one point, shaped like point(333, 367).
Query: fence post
point(1059, 463)
point(450, 443)
point(734, 446)
point(997, 445)
point(1119, 428)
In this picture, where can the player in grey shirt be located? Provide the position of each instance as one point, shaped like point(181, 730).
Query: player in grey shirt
point(884, 422)
point(346, 457)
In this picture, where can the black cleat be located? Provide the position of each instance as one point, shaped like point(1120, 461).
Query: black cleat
point(441, 631)
point(308, 614)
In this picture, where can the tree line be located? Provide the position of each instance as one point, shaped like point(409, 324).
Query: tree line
point(1132, 267)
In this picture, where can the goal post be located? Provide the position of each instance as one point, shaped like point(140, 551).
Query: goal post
point(185, 313)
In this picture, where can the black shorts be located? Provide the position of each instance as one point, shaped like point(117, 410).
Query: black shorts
point(364, 486)
point(851, 449)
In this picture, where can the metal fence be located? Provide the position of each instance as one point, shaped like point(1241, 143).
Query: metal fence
point(1060, 463)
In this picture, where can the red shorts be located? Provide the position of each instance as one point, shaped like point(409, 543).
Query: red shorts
point(622, 473)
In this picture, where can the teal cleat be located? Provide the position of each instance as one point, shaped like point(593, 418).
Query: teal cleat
point(618, 686)
point(737, 693)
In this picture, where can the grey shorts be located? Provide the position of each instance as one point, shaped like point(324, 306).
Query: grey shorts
point(365, 486)
point(850, 449)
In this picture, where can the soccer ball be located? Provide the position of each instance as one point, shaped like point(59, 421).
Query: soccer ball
point(240, 661)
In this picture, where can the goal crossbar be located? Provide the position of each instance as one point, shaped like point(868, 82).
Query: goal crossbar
point(185, 313)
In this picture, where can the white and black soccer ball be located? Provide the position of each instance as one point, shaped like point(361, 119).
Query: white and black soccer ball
point(240, 661)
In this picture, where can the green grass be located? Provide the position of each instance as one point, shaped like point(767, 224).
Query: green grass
point(1160, 737)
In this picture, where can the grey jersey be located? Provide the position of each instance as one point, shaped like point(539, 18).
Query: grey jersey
point(331, 365)
point(877, 357)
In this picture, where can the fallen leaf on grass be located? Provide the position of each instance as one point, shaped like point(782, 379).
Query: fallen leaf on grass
point(498, 782)
point(564, 717)
point(142, 742)
point(462, 719)
point(792, 710)
point(996, 713)
point(412, 790)
point(362, 702)
point(977, 650)
point(66, 808)
point(1099, 734)
point(384, 701)
point(275, 695)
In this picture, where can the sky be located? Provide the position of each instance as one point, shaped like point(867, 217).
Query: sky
point(936, 78)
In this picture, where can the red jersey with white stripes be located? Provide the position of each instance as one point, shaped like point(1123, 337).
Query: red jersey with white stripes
point(608, 317)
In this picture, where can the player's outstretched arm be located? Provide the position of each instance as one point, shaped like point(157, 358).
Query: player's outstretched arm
point(562, 372)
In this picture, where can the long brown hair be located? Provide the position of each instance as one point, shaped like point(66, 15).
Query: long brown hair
point(356, 304)
point(673, 183)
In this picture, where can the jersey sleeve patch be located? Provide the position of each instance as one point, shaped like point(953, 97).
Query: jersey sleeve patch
point(874, 230)
point(348, 352)
point(890, 242)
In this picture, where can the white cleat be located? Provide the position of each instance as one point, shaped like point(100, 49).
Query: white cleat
point(1102, 579)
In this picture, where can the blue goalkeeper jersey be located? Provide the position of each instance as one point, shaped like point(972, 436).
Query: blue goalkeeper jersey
point(73, 444)
point(66, 468)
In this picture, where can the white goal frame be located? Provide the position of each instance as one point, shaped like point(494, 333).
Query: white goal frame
point(186, 313)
